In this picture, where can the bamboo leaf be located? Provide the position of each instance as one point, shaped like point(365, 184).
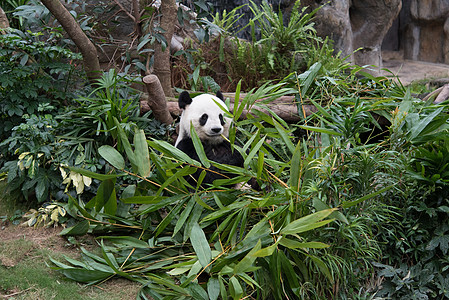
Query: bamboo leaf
point(308, 77)
point(308, 222)
point(253, 152)
point(127, 241)
point(142, 154)
point(296, 168)
point(267, 251)
point(283, 133)
point(112, 156)
point(184, 215)
point(235, 288)
point(421, 125)
point(126, 145)
point(288, 271)
point(84, 275)
point(320, 205)
point(201, 202)
point(213, 288)
point(321, 130)
point(197, 292)
point(200, 245)
point(110, 207)
point(347, 204)
point(168, 218)
point(192, 219)
point(106, 197)
point(79, 229)
point(171, 151)
point(94, 175)
point(292, 244)
point(322, 266)
point(179, 174)
point(238, 110)
point(143, 199)
point(199, 147)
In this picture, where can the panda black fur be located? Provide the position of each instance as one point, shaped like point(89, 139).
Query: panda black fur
point(211, 125)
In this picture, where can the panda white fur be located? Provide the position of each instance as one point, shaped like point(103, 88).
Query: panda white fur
point(211, 124)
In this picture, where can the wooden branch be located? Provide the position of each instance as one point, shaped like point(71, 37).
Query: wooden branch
point(125, 11)
point(441, 94)
point(156, 99)
point(77, 35)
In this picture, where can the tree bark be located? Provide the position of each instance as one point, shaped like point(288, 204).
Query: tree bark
point(87, 48)
point(162, 56)
point(4, 23)
point(156, 99)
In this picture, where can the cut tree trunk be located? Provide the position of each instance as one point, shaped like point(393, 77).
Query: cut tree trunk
point(156, 100)
point(77, 35)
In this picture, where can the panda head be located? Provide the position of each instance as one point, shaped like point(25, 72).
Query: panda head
point(203, 113)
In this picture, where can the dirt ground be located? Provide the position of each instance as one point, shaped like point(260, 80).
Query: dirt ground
point(410, 71)
point(49, 239)
point(42, 238)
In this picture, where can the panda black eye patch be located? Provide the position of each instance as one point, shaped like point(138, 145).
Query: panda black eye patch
point(222, 121)
point(203, 119)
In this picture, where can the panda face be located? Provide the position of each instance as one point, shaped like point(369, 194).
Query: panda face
point(203, 113)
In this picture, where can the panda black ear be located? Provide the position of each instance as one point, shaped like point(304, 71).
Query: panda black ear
point(220, 96)
point(184, 100)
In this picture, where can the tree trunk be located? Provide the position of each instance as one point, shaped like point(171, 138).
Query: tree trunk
point(87, 48)
point(4, 23)
point(162, 64)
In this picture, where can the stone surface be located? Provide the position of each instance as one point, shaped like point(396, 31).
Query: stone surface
point(356, 25)
point(424, 34)
point(429, 10)
point(333, 20)
point(370, 21)
point(409, 71)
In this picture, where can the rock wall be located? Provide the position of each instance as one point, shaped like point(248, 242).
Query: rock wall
point(422, 31)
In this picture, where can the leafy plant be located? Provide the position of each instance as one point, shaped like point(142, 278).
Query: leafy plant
point(47, 215)
point(33, 73)
point(286, 240)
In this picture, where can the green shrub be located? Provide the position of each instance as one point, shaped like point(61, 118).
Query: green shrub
point(307, 234)
point(33, 74)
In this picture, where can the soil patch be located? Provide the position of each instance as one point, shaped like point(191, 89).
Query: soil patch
point(410, 71)
point(38, 238)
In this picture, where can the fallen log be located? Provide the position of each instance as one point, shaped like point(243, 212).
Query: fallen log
point(285, 107)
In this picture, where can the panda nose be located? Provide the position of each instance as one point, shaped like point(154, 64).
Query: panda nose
point(216, 129)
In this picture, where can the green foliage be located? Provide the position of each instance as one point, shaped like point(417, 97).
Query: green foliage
point(362, 180)
point(297, 237)
point(38, 148)
point(32, 73)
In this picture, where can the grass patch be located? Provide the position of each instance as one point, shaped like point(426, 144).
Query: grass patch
point(24, 254)
point(24, 274)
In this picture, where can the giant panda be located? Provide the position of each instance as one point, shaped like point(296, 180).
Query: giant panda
point(211, 125)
